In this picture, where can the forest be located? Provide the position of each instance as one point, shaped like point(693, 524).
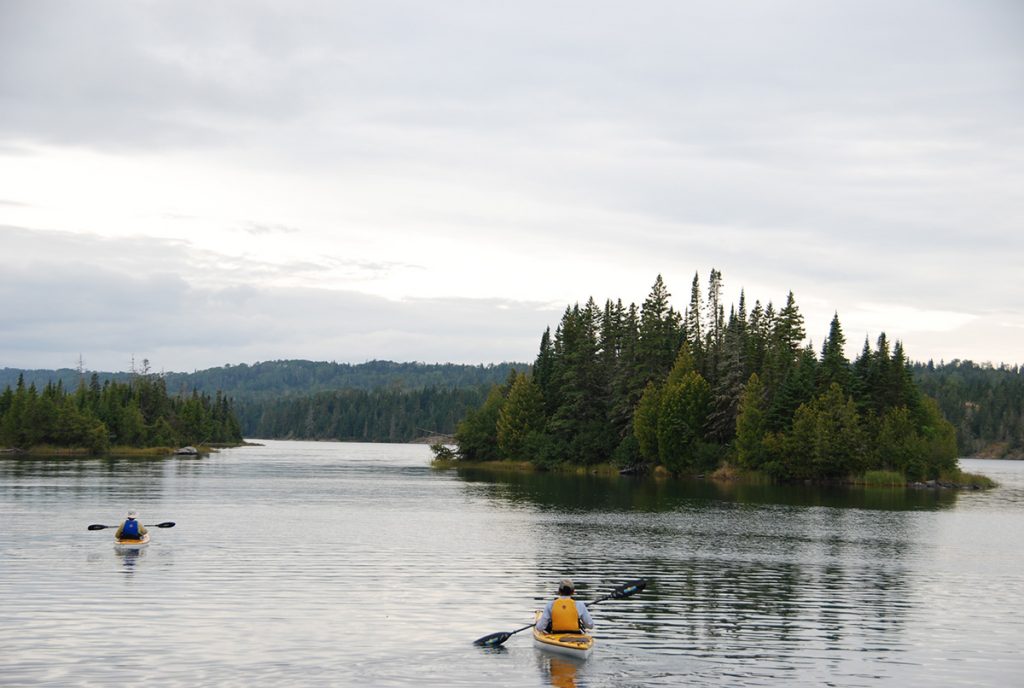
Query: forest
point(288, 378)
point(376, 401)
point(692, 390)
point(391, 414)
point(385, 401)
point(97, 417)
point(985, 404)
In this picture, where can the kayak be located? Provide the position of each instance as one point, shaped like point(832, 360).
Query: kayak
point(570, 644)
point(133, 542)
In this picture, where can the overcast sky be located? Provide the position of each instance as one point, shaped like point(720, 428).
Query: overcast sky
point(202, 183)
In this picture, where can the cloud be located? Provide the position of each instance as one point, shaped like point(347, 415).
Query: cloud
point(63, 302)
point(856, 153)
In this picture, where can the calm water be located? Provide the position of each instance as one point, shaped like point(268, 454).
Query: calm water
point(352, 564)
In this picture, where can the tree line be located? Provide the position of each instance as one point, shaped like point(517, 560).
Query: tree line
point(385, 401)
point(95, 416)
point(688, 390)
point(290, 378)
point(391, 414)
point(985, 404)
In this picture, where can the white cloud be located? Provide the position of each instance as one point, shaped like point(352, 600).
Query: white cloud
point(856, 153)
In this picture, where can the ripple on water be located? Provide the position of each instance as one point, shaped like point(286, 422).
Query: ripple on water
point(308, 564)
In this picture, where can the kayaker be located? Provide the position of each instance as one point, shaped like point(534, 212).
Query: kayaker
point(131, 529)
point(564, 614)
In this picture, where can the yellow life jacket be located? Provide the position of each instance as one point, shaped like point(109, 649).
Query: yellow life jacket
point(564, 617)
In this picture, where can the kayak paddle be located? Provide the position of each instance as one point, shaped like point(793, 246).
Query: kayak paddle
point(165, 524)
point(621, 592)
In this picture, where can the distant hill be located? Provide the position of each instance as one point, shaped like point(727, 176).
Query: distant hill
point(984, 403)
point(274, 379)
point(377, 401)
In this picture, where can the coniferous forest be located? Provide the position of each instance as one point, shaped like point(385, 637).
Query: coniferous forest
point(690, 390)
point(136, 413)
point(385, 401)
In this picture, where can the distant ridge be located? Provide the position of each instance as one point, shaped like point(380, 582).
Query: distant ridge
point(294, 377)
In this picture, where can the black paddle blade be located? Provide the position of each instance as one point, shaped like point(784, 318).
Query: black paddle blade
point(165, 524)
point(97, 526)
point(628, 589)
point(492, 640)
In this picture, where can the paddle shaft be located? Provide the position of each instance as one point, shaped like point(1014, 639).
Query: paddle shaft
point(165, 524)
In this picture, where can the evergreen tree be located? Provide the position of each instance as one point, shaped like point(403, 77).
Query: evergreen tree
point(692, 324)
point(751, 425)
point(681, 418)
point(827, 440)
point(520, 419)
point(645, 422)
point(835, 367)
point(659, 336)
point(714, 331)
point(543, 371)
point(477, 434)
point(730, 381)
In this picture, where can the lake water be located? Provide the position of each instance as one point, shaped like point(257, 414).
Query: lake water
point(319, 564)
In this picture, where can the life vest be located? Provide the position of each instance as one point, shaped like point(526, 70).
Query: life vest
point(130, 530)
point(564, 617)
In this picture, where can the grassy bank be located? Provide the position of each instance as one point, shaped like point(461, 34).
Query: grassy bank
point(525, 467)
point(728, 472)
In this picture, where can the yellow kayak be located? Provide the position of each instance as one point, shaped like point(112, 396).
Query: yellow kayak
point(133, 542)
point(571, 644)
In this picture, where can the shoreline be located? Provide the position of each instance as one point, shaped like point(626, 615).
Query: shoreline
point(730, 474)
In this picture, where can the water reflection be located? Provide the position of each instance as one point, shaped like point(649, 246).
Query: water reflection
point(604, 493)
point(129, 557)
point(368, 568)
point(559, 671)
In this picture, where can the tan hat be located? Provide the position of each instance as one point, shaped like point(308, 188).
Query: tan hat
point(133, 514)
point(566, 584)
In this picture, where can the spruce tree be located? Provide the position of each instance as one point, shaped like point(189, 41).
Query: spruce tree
point(751, 425)
point(835, 367)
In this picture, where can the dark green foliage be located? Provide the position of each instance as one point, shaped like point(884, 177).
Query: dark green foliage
point(477, 434)
point(659, 335)
point(834, 367)
point(751, 425)
point(136, 413)
point(984, 403)
point(274, 379)
point(612, 386)
point(827, 440)
point(521, 419)
point(645, 422)
point(391, 414)
point(379, 401)
point(685, 405)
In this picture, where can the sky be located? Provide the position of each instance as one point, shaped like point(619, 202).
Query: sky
point(201, 183)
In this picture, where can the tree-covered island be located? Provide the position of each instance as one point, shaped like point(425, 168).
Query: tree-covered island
point(695, 392)
point(135, 414)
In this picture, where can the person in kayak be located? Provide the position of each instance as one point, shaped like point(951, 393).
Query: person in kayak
point(564, 614)
point(131, 529)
